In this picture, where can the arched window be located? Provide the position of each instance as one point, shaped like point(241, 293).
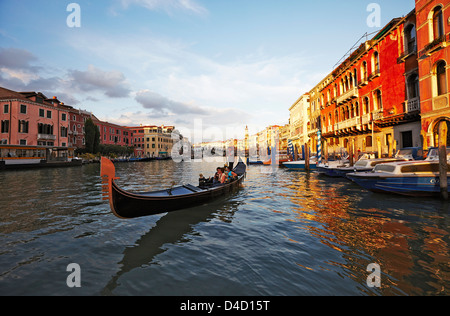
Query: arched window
point(364, 71)
point(366, 106)
point(410, 39)
point(438, 23)
point(378, 100)
point(413, 86)
point(375, 63)
point(441, 79)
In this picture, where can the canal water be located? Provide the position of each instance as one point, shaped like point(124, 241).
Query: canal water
point(284, 233)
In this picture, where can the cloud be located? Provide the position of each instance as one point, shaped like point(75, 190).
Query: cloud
point(163, 105)
point(17, 59)
point(167, 5)
point(18, 72)
point(113, 83)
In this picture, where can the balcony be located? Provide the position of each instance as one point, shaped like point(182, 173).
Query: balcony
point(434, 46)
point(365, 119)
point(378, 115)
point(410, 51)
point(46, 137)
point(374, 74)
point(350, 94)
point(350, 123)
point(413, 105)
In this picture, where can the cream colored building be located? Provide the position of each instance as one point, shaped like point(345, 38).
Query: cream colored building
point(298, 121)
point(158, 141)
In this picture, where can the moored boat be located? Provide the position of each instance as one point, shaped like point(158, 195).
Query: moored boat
point(412, 178)
point(125, 204)
point(368, 163)
point(254, 160)
point(14, 157)
point(301, 164)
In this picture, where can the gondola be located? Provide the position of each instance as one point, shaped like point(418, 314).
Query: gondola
point(129, 205)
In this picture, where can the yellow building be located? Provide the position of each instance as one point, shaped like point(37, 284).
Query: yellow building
point(158, 141)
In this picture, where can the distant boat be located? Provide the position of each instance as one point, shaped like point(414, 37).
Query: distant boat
point(411, 178)
point(255, 160)
point(301, 164)
point(27, 157)
point(281, 158)
point(125, 204)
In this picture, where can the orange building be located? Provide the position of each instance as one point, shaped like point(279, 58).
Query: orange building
point(366, 102)
point(433, 40)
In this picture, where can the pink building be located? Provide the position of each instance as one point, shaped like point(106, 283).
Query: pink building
point(112, 134)
point(30, 118)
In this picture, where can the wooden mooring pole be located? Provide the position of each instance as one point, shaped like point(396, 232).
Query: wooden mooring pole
point(443, 167)
point(307, 157)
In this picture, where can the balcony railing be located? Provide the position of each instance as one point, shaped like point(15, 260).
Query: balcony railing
point(350, 94)
point(46, 137)
point(410, 50)
point(365, 119)
point(352, 122)
point(413, 105)
point(377, 115)
point(436, 44)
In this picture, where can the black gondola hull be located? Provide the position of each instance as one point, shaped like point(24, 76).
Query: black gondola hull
point(129, 205)
point(126, 204)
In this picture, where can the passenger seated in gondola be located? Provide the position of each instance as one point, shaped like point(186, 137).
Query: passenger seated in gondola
point(202, 181)
point(221, 175)
point(230, 175)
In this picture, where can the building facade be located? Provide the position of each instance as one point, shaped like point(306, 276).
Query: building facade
point(152, 140)
point(433, 40)
point(298, 122)
point(30, 118)
point(370, 102)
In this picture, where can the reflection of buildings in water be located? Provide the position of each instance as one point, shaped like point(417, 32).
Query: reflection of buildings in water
point(365, 235)
point(172, 228)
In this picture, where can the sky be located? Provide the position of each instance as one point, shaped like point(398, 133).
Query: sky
point(196, 64)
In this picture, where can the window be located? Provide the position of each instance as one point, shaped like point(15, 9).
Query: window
point(438, 23)
point(378, 100)
point(5, 126)
point(63, 131)
point(23, 142)
point(23, 109)
point(46, 129)
point(413, 86)
point(410, 39)
point(41, 113)
point(63, 116)
point(375, 63)
point(364, 72)
point(441, 78)
point(6, 108)
point(366, 106)
point(23, 126)
point(369, 141)
point(407, 139)
point(49, 114)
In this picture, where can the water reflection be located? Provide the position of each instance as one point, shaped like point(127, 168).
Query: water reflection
point(284, 233)
point(345, 222)
point(172, 228)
